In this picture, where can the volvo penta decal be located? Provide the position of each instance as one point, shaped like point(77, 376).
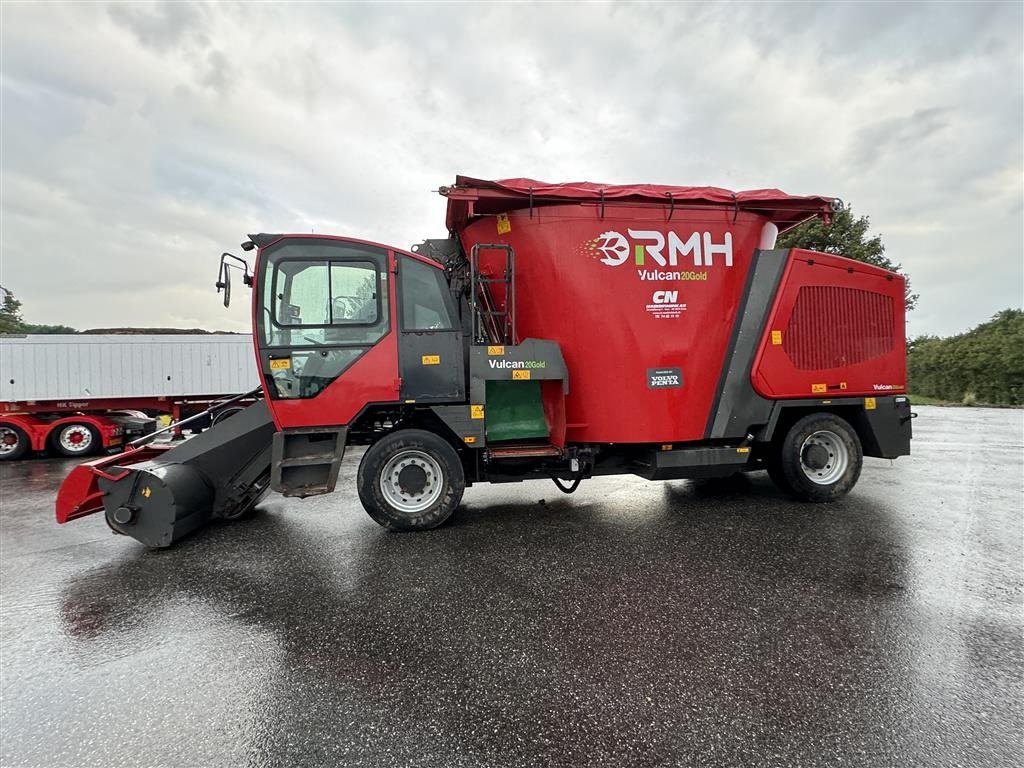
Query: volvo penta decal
point(650, 248)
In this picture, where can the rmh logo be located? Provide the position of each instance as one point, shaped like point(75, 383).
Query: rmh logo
point(616, 248)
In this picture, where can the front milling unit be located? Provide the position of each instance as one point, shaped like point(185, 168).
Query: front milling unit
point(562, 331)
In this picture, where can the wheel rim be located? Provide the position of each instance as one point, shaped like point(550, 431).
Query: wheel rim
point(833, 466)
point(75, 438)
point(9, 441)
point(411, 481)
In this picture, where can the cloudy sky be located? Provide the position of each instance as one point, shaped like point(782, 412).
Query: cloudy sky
point(141, 140)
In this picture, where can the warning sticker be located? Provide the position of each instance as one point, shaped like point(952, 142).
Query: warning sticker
point(281, 365)
point(776, 338)
point(521, 374)
point(818, 388)
point(431, 360)
point(664, 378)
point(476, 411)
point(870, 404)
point(496, 349)
point(504, 225)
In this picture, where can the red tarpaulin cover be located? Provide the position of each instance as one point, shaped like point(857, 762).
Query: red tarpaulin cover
point(476, 197)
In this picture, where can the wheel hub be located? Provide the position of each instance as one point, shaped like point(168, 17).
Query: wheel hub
point(824, 457)
point(8, 441)
point(815, 456)
point(75, 438)
point(412, 479)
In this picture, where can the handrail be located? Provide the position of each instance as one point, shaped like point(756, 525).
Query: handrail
point(178, 424)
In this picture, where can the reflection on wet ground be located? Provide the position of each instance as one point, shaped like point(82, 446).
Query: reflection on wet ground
point(633, 623)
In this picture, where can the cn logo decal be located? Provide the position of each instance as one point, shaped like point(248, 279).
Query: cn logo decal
point(653, 248)
point(665, 305)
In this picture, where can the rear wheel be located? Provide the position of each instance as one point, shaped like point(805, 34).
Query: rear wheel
point(75, 439)
point(819, 459)
point(13, 442)
point(410, 480)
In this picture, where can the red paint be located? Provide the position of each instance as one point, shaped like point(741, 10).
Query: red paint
point(40, 430)
point(373, 378)
point(80, 495)
point(605, 317)
point(877, 360)
point(476, 197)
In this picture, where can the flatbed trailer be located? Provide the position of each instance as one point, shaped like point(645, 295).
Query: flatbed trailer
point(77, 395)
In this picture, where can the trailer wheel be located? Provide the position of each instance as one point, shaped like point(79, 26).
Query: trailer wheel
point(410, 480)
point(13, 442)
point(75, 439)
point(819, 459)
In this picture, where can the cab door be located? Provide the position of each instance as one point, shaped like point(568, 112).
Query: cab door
point(325, 329)
point(431, 351)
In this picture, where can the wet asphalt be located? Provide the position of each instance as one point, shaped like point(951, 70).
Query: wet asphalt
point(631, 624)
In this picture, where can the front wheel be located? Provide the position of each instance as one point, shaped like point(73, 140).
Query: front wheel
point(819, 459)
point(410, 480)
point(76, 439)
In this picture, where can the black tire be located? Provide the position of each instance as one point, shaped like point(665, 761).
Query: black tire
point(774, 467)
point(819, 459)
point(418, 463)
point(13, 442)
point(62, 442)
point(247, 506)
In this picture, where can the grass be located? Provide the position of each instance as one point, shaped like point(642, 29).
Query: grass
point(922, 400)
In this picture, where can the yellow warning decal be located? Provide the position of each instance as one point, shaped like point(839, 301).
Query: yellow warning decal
point(496, 350)
point(776, 338)
point(476, 411)
point(666, 446)
point(819, 388)
point(522, 375)
point(147, 492)
point(469, 440)
point(281, 365)
point(743, 450)
point(431, 359)
point(842, 385)
point(504, 225)
point(869, 404)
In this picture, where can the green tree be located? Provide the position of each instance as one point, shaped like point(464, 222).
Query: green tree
point(43, 329)
point(10, 313)
point(982, 365)
point(11, 321)
point(847, 237)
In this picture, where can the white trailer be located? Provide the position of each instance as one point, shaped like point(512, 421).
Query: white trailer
point(79, 393)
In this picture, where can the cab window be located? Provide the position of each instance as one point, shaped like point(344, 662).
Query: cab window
point(425, 298)
point(324, 294)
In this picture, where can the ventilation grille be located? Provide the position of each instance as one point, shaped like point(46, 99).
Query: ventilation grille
point(833, 327)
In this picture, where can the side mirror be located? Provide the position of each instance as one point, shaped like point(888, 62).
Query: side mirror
point(226, 284)
point(224, 275)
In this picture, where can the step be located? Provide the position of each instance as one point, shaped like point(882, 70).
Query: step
point(523, 451)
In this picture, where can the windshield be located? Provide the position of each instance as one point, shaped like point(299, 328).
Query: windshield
point(322, 293)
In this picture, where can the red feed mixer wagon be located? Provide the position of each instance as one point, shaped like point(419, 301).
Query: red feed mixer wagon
point(562, 331)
